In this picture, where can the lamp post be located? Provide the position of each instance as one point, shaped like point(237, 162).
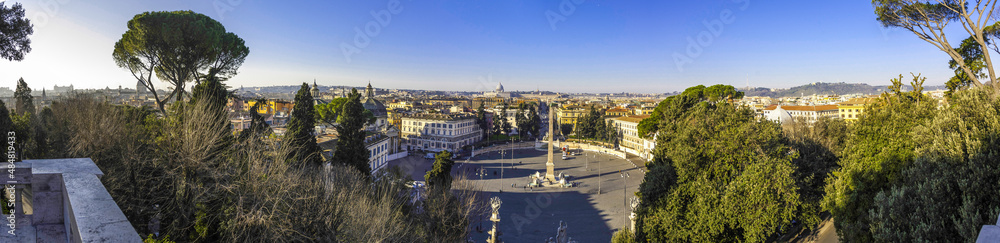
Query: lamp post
point(501, 170)
point(599, 166)
point(625, 198)
point(482, 171)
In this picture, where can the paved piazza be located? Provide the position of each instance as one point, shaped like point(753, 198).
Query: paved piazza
point(533, 216)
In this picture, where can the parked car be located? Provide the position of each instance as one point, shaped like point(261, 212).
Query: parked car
point(429, 156)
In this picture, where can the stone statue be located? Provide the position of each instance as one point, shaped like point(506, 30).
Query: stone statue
point(561, 234)
point(495, 203)
point(632, 216)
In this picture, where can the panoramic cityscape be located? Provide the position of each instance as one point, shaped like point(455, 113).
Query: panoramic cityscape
point(500, 121)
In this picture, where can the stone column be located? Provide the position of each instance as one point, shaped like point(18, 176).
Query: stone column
point(550, 165)
point(634, 204)
point(495, 202)
point(632, 218)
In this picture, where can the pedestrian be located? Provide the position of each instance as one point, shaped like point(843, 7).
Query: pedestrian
point(512, 185)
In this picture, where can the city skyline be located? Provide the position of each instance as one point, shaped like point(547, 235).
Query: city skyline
point(560, 46)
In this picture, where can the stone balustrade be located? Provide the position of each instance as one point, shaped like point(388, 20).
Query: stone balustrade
point(63, 200)
point(989, 233)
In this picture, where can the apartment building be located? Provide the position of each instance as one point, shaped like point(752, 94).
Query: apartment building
point(852, 109)
point(788, 114)
point(631, 142)
point(437, 132)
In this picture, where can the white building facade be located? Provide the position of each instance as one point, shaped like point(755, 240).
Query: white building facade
point(788, 114)
point(628, 128)
point(380, 147)
point(437, 132)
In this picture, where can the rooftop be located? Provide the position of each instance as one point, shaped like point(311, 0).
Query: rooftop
point(859, 101)
point(617, 109)
point(443, 117)
point(633, 119)
point(802, 108)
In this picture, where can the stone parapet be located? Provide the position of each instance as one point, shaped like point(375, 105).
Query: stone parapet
point(68, 203)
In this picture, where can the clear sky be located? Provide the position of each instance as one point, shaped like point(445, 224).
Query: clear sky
point(590, 46)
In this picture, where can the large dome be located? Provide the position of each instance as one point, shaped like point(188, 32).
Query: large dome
point(780, 115)
point(499, 88)
point(372, 104)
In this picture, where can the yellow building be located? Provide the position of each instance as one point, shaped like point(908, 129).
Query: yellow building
point(851, 110)
point(272, 106)
point(395, 117)
point(617, 112)
point(519, 101)
point(570, 113)
point(645, 110)
point(488, 102)
point(401, 105)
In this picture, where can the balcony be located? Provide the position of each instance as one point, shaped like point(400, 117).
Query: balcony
point(63, 200)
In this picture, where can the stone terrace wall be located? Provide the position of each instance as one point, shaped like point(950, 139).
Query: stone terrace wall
point(69, 204)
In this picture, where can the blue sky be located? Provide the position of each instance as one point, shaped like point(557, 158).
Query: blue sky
point(593, 46)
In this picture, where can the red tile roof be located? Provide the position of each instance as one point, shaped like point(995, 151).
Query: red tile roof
point(802, 108)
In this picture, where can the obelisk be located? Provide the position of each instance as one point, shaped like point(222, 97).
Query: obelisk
point(550, 166)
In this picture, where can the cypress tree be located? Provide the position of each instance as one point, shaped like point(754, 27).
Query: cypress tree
point(258, 126)
point(481, 120)
point(299, 136)
point(504, 124)
point(6, 125)
point(351, 148)
point(439, 178)
point(522, 121)
point(212, 91)
point(23, 98)
point(533, 121)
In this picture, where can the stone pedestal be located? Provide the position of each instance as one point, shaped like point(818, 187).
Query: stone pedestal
point(631, 218)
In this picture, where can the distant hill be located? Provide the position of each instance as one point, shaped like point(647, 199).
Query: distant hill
point(825, 89)
point(817, 89)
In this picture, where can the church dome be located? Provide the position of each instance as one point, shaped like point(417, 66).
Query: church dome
point(499, 88)
point(780, 115)
point(372, 104)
